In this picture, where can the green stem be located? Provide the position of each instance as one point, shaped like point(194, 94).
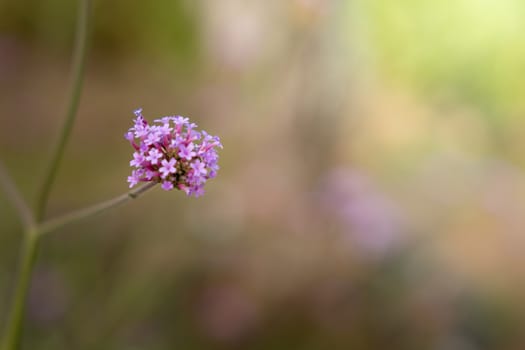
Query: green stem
point(16, 198)
point(14, 323)
point(13, 329)
point(78, 67)
point(53, 224)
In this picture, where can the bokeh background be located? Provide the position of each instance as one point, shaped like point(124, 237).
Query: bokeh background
point(371, 192)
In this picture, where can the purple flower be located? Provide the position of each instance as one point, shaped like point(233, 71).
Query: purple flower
point(151, 174)
point(196, 191)
point(152, 137)
point(178, 120)
point(167, 185)
point(138, 158)
point(134, 178)
point(173, 153)
point(154, 155)
point(132, 181)
point(199, 167)
point(186, 152)
point(138, 112)
point(168, 167)
point(165, 129)
point(129, 136)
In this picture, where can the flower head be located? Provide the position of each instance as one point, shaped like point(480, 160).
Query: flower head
point(173, 153)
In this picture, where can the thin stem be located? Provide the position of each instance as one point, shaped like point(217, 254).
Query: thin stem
point(13, 330)
point(15, 197)
point(78, 67)
point(53, 224)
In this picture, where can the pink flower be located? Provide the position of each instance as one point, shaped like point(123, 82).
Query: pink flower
point(168, 167)
point(173, 153)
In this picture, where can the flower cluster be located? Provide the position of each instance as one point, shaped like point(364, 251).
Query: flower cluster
point(173, 153)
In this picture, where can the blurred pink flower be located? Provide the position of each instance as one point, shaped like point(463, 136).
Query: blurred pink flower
point(369, 218)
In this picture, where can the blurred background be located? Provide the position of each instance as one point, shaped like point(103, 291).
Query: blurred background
point(371, 192)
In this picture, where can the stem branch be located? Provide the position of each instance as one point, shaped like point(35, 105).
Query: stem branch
point(13, 329)
point(53, 224)
point(15, 197)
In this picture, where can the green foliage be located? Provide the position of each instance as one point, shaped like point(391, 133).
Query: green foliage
point(471, 50)
point(120, 26)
